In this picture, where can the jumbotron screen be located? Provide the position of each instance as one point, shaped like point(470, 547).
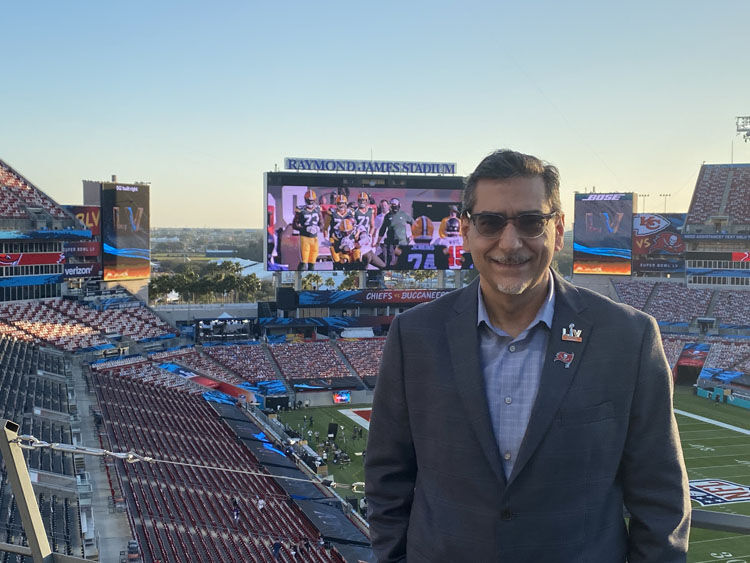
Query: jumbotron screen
point(603, 234)
point(126, 244)
point(342, 222)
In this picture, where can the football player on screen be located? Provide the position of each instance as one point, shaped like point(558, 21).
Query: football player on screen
point(308, 221)
point(337, 230)
point(364, 214)
point(345, 250)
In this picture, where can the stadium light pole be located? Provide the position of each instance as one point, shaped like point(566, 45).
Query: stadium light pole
point(665, 196)
point(643, 202)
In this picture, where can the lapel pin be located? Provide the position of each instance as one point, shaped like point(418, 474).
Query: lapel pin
point(564, 357)
point(572, 334)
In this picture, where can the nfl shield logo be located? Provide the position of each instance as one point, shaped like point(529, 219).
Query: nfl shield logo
point(717, 491)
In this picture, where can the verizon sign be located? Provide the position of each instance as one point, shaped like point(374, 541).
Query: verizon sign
point(91, 270)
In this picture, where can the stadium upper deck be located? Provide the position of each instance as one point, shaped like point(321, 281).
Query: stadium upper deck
point(721, 200)
point(24, 206)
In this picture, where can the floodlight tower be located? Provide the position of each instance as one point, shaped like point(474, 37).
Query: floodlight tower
point(665, 196)
point(743, 129)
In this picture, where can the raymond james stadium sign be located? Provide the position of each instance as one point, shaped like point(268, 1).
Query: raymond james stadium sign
point(383, 166)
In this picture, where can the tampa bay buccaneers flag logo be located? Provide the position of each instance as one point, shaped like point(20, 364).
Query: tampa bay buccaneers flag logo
point(9, 259)
point(564, 357)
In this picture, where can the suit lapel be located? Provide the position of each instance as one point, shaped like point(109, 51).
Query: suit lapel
point(556, 378)
point(463, 345)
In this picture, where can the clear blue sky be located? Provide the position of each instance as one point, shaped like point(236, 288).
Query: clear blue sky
point(200, 98)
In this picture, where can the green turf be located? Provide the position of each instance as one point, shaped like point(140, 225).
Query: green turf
point(714, 452)
point(349, 473)
point(710, 452)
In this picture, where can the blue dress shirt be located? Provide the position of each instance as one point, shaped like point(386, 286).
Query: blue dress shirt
point(512, 368)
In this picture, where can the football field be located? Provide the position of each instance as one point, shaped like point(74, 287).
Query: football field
point(716, 446)
point(718, 462)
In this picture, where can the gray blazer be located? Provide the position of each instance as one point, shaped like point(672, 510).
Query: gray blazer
point(601, 435)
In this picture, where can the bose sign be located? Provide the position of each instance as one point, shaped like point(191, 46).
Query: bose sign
point(605, 197)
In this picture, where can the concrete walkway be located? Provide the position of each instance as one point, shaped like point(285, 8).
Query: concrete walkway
point(112, 528)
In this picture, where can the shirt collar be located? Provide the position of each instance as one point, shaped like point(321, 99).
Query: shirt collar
point(544, 315)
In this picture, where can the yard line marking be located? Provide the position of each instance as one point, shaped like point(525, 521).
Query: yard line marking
point(720, 539)
point(714, 422)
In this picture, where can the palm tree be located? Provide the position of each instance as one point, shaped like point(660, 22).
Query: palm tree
point(351, 281)
point(312, 281)
point(329, 283)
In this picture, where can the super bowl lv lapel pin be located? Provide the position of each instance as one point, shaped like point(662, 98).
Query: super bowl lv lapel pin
point(565, 357)
point(572, 334)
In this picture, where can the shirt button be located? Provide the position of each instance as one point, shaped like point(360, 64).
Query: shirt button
point(512, 347)
point(508, 400)
point(507, 456)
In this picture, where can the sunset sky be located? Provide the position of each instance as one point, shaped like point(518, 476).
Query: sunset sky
point(201, 98)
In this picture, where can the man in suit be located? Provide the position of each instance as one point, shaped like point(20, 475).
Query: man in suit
point(515, 418)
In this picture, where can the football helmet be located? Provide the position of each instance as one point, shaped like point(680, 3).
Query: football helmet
point(453, 227)
point(310, 197)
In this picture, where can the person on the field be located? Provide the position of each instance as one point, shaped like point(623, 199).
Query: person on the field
point(308, 221)
point(514, 419)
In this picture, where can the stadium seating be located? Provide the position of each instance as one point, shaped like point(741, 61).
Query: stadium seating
point(730, 308)
point(20, 394)
point(70, 325)
point(363, 354)
point(18, 194)
point(137, 368)
point(45, 324)
point(670, 302)
point(676, 303)
point(186, 506)
point(738, 202)
point(303, 360)
point(250, 362)
point(708, 194)
point(191, 358)
point(717, 186)
point(673, 345)
point(728, 354)
point(634, 293)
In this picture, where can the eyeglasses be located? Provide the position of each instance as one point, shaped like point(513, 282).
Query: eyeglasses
point(528, 225)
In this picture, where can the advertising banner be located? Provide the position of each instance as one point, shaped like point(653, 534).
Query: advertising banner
point(89, 215)
point(18, 281)
point(657, 242)
point(693, 354)
point(82, 248)
point(365, 228)
point(31, 258)
point(90, 270)
point(126, 253)
point(602, 234)
point(355, 297)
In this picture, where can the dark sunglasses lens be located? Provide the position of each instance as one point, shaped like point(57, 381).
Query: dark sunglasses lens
point(531, 225)
point(490, 225)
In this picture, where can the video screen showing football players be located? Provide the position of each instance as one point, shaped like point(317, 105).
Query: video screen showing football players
point(319, 228)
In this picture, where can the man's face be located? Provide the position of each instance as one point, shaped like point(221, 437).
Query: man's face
point(510, 264)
